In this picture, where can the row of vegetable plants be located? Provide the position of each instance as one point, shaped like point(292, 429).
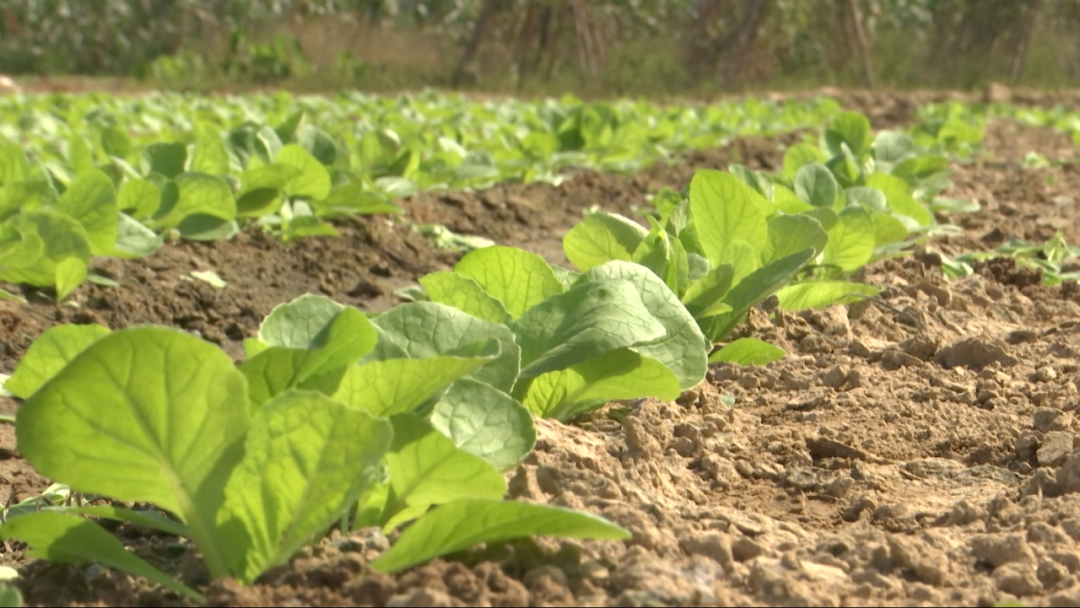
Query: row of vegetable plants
point(409, 418)
point(85, 176)
point(1055, 259)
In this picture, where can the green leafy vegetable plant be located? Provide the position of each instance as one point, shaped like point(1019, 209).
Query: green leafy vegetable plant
point(719, 253)
point(333, 418)
point(112, 177)
point(615, 331)
point(736, 238)
point(1055, 259)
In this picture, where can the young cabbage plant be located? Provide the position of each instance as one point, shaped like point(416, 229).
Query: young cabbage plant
point(720, 253)
point(328, 421)
point(614, 332)
point(727, 246)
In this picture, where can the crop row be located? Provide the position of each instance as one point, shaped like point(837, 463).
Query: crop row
point(408, 418)
point(84, 176)
point(1055, 258)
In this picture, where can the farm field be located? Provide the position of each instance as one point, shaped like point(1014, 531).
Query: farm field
point(913, 447)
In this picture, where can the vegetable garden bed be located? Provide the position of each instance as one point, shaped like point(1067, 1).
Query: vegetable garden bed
point(916, 447)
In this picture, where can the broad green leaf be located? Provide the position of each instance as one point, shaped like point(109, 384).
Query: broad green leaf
point(849, 128)
point(91, 200)
point(540, 145)
point(261, 186)
point(517, 278)
point(79, 154)
point(299, 323)
point(426, 468)
point(405, 163)
point(682, 345)
point(820, 294)
point(566, 276)
point(249, 142)
point(344, 341)
point(320, 144)
point(63, 238)
point(485, 422)
point(204, 227)
point(134, 240)
point(23, 196)
point(815, 184)
point(13, 164)
point(464, 523)
point(313, 182)
point(759, 285)
point(799, 155)
point(254, 346)
point(674, 209)
point(210, 155)
point(680, 268)
point(143, 415)
point(400, 386)
point(892, 148)
point(19, 248)
point(428, 329)
point(121, 169)
point(116, 141)
point(302, 226)
point(601, 238)
point(596, 316)
point(261, 176)
point(851, 240)
point(790, 234)
point(70, 273)
point(655, 253)
point(870, 199)
point(198, 194)
point(619, 374)
point(286, 131)
point(58, 537)
point(702, 296)
point(898, 194)
point(725, 209)
point(306, 460)
point(665, 256)
point(921, 167)
point(377, 149)
point(825, 217)
point(53, 350)
point(748, 351)
point(743, 259)
point(755, 179)
point(466, 295)
point(888, 230)
point(168, 159)
point(355, 198)
point(138, 197)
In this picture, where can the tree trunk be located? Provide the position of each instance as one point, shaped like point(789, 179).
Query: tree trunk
point(544, 35)
point(860, 39)
point(560, 18)
point(1024, 41)
point(587, 52)
point(756, 13)
point(474, 41)
point(521, 49)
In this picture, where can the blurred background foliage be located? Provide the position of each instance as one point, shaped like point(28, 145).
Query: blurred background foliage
point(616, 47)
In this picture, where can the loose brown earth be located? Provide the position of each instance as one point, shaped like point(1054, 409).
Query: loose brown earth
point(916, 454)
